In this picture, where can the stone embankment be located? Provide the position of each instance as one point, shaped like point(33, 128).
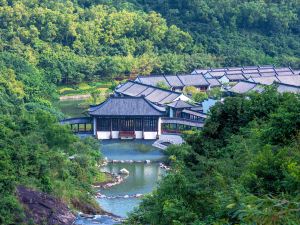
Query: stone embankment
point(42, 208)
point(74, 97)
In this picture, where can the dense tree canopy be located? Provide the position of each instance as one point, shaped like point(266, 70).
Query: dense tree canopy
point(80, 40)
point(247, 32)
point(34, 147)
point(71, 42)
point(243, 168)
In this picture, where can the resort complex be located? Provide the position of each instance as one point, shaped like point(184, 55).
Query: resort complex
point(140, 109)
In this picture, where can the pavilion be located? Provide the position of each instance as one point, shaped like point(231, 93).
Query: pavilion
point(127, 118)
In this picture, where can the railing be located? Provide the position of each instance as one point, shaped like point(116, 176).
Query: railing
point(182, 121)
point(126, 134)
point(80, 120)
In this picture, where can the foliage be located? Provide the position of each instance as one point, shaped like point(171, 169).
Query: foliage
point(197, 95)
point(162, 85)
point(240, 169)
point(34, 147)
point(236, 33)
point(71, 41)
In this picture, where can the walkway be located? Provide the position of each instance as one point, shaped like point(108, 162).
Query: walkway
point(182, 121)
point(167, 138)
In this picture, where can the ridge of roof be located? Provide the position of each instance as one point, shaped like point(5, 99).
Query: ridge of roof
point(131, 81)
point(167, 80)
point(279, 83)
point(180, 80)
point(156, 107)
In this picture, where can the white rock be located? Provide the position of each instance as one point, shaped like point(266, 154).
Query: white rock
point(124, 171)
point(148, 161)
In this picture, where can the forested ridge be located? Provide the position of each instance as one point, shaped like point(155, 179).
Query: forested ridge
point(35, 148)
point(238, 33)
point(242, 168)
point(72, 41)
point(244, 165)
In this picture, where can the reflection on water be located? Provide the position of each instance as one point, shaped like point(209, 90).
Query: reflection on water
point(130, 150)
point(142, 177)
point(71, 108)
point(141, 180)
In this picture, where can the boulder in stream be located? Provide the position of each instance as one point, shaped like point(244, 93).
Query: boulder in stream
point(124, 171)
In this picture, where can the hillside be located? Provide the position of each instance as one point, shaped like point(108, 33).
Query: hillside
point(236, 32)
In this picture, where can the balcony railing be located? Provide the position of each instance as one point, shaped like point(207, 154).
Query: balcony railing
point(182, 121)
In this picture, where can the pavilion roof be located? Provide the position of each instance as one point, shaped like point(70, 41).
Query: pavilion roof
point(282, 88)
point(151, 93)
point(179, 104)
point(126, 106)
point(245, 86)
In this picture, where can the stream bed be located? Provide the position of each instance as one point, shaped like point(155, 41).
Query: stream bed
point(142, 178)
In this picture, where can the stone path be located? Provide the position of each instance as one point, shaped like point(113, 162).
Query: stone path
point(167, 138)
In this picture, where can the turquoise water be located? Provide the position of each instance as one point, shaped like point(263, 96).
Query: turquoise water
point(142, 179)
point(72, 108)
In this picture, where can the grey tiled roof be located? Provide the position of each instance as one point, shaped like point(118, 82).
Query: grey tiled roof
point(243, 87)
point(283, 69)
point(249, 75)
point(266, 70)
point(126, 106)
point(216, 74)
point(249, 71)
point(214, 82)
point(193, 80)
point(153, 94)
point(284, 73)
point(203, 115)
point(153, 80)
point(169, 98)
point(292, 80)
point(234, 72)
point(174, 81)
point(264, 80)
point(235, 77)
point(283, 88)
point(179, 104)
point(200, 71)
point(267, 74)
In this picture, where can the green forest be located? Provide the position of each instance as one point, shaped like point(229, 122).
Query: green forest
point(72, 41)
point(243, 168)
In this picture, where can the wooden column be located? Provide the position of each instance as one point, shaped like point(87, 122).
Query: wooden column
point(110, 127)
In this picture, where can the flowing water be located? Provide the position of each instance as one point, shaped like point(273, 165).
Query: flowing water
point(142, 177)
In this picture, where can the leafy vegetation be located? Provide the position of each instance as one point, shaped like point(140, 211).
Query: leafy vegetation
point(242, 168)
point(235, 33)
point(34, 147)
point(74, 41)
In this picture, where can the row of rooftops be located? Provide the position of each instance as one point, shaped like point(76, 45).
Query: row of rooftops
point(246, 86)
point(179, 81)
point(246, 71)
point(142, 97)
point(214, 77)
point(151, 93)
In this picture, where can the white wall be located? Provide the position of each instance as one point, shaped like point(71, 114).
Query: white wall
point(139, 134)
point(159, 126)
point(224, 80)
point(150, 135)
point(103, 135)
point(183, 98)
point(115, 134)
